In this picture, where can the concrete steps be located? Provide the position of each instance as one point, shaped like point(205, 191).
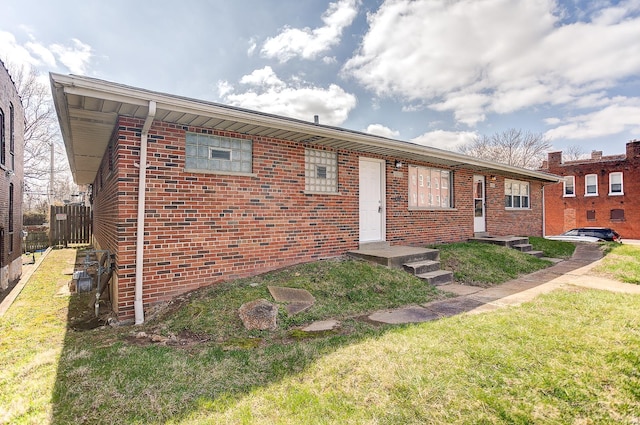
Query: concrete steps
point(421, 262)
point(514, 242)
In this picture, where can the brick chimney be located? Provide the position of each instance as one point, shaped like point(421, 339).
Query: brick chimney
point(633, 150)
point(554, 159)
point(596, 155)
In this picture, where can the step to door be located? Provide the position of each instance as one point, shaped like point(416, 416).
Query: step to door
point(523, 247)
point(538, 254)
point(419, 267)
point(437, 277)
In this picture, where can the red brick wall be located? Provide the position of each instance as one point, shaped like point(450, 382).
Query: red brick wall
point(559, 214)
point(204, 228)
point(11, 174)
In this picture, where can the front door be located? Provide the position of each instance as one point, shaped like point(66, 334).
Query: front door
point(479, 222)
point(372, 216)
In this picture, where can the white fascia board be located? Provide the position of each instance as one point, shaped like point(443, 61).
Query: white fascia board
point(120, 93)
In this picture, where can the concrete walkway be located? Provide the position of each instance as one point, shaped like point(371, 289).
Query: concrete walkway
point(473, 299)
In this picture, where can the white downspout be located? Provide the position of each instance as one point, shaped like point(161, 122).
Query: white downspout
point(142, 186)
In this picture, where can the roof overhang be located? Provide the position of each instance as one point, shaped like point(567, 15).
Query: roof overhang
point(88, 110)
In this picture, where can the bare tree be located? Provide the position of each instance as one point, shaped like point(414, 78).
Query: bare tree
point(513, 147)
point(41, 133)
point(574, 153)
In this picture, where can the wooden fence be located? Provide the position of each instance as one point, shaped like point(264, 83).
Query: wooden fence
point(70, 224)
point(36, 240)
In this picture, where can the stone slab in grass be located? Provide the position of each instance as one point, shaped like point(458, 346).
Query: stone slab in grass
point(412, 314)
point(291, 295)
point(295, 308)
point(322, 326)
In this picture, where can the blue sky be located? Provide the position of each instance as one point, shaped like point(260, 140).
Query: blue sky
point(436, 72)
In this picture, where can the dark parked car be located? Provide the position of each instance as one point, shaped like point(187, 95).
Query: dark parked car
point(604, 233)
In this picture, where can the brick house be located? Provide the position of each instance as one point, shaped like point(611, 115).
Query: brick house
point(11, 179)
point(601, 191)
point(228, 192)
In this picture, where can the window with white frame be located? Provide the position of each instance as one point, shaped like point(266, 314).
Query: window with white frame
point(320, 171)
point(569, 185)
point(430, 188)
point(206, 152)
point(516, 194)
point(615, 184)
point(591, 185)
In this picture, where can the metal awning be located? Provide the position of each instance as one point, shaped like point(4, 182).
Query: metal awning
point(88, 109)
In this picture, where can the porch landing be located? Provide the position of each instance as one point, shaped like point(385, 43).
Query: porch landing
point(421, 262)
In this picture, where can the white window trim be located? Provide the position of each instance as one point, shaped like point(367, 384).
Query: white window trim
point(586, 185)
point(528, 196)
point(564, 187)
point(621, 184)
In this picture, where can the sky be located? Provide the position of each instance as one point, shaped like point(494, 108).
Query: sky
point(434, 72)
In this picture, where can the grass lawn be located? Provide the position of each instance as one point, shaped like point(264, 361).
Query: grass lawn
point(621, 263)
point(552, 249)
point(483, 264)
point(567, 357)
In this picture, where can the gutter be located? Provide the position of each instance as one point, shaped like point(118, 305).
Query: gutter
point(85, 86)
point(142, 186)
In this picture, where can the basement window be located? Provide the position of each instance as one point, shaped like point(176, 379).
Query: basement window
point(216, 154)
point(617, 214)
point(591, 215)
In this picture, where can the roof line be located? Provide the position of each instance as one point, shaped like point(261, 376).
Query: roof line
point(74, 84)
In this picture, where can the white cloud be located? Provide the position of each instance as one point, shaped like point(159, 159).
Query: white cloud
point(263, 77)
point(75, 57)
point(476, 57)
point(266, 92)
point(619, 116)
point(309, 43)
point(381, 130)
point(449, 140)
point(252, 47)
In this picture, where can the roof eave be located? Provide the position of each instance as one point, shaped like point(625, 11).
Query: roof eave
point(83, 86)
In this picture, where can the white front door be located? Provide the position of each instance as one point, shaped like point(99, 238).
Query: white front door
point(372, 216)
point(479, 222)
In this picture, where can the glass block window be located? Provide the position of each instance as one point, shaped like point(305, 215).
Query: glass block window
point(516, 194)
point(615, 184)
point(320, 171)
point(205, 152)
point(429, 188)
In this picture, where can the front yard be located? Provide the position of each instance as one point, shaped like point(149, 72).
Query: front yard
point(567, 357)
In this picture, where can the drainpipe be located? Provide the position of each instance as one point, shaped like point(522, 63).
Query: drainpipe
point(142, 186)
point(544, 230)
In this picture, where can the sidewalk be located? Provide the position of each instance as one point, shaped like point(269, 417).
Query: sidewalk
point(473, 299)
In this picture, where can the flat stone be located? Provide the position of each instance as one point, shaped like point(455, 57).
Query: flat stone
point(453, 306)
point(458, 289)
point(295, 308)
point(291, 295)
point(321, 326)
point(414, 314)
point(259, 314)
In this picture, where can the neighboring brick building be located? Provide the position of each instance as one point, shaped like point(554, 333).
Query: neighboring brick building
point(11, 179)
point(230, 192)
point(601, 191)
